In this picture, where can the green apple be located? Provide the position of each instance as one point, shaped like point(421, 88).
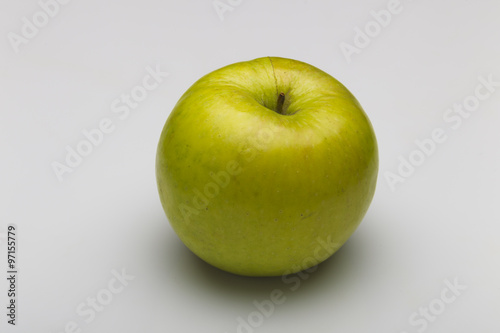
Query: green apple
point(266, 167)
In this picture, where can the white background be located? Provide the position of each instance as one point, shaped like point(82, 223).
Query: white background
point(440, 224)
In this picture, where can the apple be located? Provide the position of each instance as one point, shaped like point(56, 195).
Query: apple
point(266, 167)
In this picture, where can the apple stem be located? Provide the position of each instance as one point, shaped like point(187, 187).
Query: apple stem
point(281, 101)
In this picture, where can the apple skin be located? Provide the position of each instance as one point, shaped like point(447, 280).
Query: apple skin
point(258, 193)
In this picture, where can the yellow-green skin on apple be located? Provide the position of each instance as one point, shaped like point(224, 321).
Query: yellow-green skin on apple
point(255, 183)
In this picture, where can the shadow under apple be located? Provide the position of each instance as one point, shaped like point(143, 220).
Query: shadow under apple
point(337, 273)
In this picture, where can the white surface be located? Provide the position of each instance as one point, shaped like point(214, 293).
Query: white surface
point(441, 224)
